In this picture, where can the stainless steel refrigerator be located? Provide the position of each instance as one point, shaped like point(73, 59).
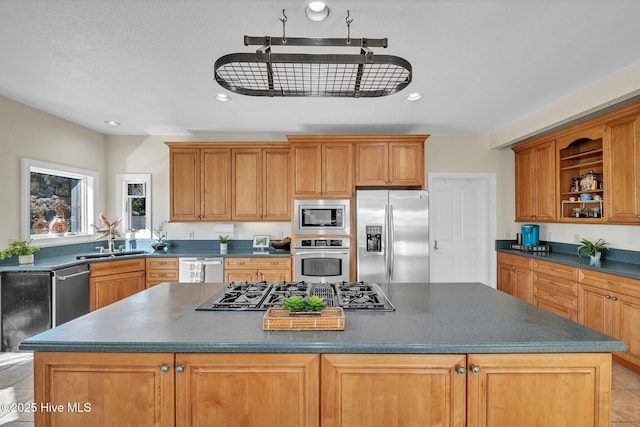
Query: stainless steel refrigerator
point(392, 236)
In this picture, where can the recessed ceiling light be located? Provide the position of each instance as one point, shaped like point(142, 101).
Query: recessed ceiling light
point(317, 11)
point(112, 123)
point(223, 97)
point(414, 96)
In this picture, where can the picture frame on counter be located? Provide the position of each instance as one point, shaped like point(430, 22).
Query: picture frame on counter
point(261, 242)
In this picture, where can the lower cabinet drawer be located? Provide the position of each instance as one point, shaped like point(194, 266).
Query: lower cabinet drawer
point(610, 282)
point(555, 308)
point(162, 276)
point(563, 300)
point(555, 285)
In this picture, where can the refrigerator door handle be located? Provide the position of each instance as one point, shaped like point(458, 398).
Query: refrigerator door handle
point(391, 243)
point(387, 243)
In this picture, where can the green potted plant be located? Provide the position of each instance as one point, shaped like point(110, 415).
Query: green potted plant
point(224, 243)
point(592, 249)
point(298, 305)
point(22, 249)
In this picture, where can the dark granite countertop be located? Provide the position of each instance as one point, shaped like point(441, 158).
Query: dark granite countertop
point(55, 258)
point(618, 262)
point(445, 318)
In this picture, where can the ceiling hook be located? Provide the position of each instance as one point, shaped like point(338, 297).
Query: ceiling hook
point(348, 21)
point(283, 20)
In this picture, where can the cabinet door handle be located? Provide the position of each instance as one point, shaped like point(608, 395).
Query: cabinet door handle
point(461, 370)
point(475, 369)
point(164, 368)
point(607, 296)
point(614, 298)
point(435, 245)
point(614, 283)
point(180, 369)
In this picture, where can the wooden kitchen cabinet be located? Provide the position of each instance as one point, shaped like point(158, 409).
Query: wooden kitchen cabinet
point(238, 390)
point(622, 173)
point(392, 390)
point(200, 184)
point(555, 288)
point(121, 389)
point(328, 390)
point(261, 185)
point(321, 169)
point(536, 181)
point(538, 390)
point(515, 276)
point(399, 163)
point(580, 152)
point(159, 270)
point(257, 269)
point(611, 304)
point(111, 281)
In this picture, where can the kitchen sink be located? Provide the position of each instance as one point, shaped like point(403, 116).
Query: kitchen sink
point(109, 254)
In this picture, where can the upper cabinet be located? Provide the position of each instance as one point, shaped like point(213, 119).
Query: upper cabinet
point(200, 184)
point(229, 181)
point(536, 181)
point(622, 186)
point(586, 173)
point(260, 184)
point(581, 164)
point(390, 163)
point(321, 169)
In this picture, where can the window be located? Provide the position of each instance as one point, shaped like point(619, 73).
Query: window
point(58, 201)
point(134, 197)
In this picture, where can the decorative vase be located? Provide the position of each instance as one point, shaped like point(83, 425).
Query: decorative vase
point(223, 248)
point(25, 259)
point(58, 226)
point(158, 246)
point(40, 225)
point(595, 259)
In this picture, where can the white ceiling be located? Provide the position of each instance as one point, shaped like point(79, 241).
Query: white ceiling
point(148, 64)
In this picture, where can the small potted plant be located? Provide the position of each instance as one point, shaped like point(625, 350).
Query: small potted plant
point(298, 305)
point(22, 249)
point(592, 249)
point(224, 243)
point(160, 234)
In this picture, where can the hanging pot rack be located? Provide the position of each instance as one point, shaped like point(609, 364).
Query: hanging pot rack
point(265, 73)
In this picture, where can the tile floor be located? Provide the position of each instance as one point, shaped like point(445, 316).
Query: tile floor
point(16, 385)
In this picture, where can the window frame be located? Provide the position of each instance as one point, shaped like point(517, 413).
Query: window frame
point(91, 189)
point(122, 180)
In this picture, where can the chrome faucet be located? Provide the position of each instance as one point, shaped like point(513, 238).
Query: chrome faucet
point(111, 238)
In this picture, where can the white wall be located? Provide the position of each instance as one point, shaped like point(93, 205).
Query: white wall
point(27, 132)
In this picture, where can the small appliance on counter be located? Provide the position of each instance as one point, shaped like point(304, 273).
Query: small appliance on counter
point(529, 240)
point(530, 235)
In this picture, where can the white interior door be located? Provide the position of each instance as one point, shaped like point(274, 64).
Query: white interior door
point(462, 227)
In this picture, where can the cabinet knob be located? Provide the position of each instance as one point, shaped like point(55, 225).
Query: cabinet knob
point(461, 370)
point(180, 369)
point(475, 369)
point(614, 298)
point(164, 368)
point(607, 296)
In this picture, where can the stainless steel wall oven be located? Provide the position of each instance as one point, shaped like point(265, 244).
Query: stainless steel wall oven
point(321, 260)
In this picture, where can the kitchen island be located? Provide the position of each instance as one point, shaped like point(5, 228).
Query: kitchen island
point(451, 354)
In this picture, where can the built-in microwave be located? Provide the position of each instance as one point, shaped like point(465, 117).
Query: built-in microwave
point(322, 216)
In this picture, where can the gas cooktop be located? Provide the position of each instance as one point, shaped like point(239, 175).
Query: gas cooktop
point(263, 295)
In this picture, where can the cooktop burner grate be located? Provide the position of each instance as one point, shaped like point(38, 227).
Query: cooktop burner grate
point(264, 295)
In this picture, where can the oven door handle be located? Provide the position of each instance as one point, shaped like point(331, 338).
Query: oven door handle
point(323, 252)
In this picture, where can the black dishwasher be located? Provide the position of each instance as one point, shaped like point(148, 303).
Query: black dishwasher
point(25, 306)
